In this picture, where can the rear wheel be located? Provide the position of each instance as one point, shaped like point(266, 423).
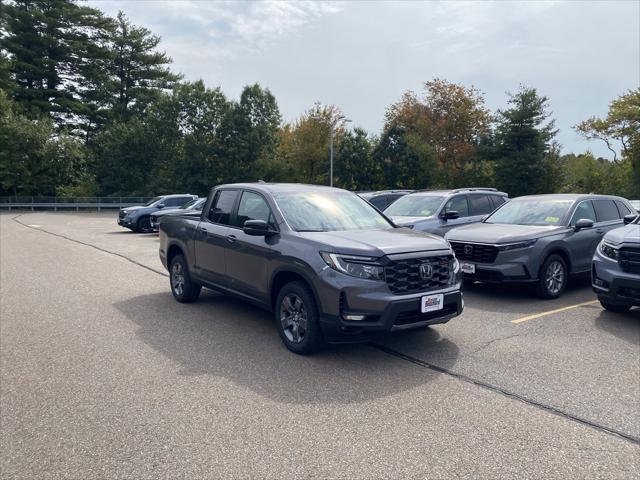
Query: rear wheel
point(297, 319)
point(183, 288)
point(553, 276)
point(615, 308)
point(144, 225)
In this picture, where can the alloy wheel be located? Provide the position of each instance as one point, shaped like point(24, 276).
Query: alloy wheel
point(177, 278)
point(554, 277)
point(293, 317)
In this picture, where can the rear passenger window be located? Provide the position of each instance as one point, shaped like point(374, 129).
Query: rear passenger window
point(458, 204)
point(253, 207)
point(623, 209)
point(480, 204)
point(222, 206)
point(584, 211)
point(606, 210)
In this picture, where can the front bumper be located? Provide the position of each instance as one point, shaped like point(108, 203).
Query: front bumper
point(384, 312)
point(612, 284)
point(126, 222)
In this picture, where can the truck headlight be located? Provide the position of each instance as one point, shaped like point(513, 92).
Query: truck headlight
point(609, 251)
point(354, 265)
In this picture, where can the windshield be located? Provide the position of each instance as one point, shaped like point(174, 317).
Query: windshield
point(531, 212)
point(326, 212)
point(414, 206)
point(197, 204)
point(152, 201)
point(191, 203)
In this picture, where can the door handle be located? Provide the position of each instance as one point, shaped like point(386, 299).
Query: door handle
point(599, 230)
point(203, 229)
point(231, 238)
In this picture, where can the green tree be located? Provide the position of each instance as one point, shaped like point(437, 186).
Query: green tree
point(524, 136)
point(354, 166)
point(620, 129)
point(47, 41)
point(34, 158)
point(137, 71)
point(248, 134)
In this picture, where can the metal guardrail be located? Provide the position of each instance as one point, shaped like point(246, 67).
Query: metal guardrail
point(65, 203)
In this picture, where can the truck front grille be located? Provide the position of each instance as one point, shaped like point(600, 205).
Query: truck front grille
point(404, 276)
point(475, 252)
point(630, 259)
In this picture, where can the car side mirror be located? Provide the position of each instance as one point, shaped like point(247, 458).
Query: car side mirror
point(450, 215)
point(256, 228)
point(629, 218)
point(160, 206)
point(583, 223)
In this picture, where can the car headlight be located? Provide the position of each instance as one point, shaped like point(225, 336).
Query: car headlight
point(356, 266)
point(514, 246)
point(609, 250)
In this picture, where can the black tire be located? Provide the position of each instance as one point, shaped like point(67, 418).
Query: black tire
point(183, 288)
point(615, 308)
point(144, 225)
point(302, 334)
point(556, 267)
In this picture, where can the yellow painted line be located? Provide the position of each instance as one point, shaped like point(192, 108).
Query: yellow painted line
point(551, 312)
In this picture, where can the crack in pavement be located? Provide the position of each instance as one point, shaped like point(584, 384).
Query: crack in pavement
point(402, 356)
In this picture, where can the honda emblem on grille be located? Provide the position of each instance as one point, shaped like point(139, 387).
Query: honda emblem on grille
point(426, 270)
point(468, 249)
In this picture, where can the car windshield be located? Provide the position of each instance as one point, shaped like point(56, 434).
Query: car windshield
point(414, 206)
point(318, 211)
point(531, 212)
point(197, 204)
point(191, 203)
point(152, 201)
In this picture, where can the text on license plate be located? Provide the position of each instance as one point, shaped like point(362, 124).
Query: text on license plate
point(467, 267)
point(430, 303)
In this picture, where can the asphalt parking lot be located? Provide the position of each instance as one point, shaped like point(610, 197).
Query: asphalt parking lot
point(103, 374)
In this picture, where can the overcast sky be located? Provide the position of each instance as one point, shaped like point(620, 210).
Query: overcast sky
point(362, 56)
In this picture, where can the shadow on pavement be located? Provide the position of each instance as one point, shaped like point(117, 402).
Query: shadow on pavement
point(224, 337)
point(625, 326)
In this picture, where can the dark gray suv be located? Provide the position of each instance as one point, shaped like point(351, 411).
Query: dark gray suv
point(138, 218)
point(328, 264)
point(438, 211)
point(538, 238)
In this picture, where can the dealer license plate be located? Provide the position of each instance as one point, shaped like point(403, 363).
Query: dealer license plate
point(468, 267)
point(431, 303)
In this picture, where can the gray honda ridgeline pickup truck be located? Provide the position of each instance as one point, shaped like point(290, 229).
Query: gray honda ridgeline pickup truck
point(325, 262)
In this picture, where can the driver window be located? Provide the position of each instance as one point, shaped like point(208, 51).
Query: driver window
point(584, 210)
point(458, 204)
point(254, 207)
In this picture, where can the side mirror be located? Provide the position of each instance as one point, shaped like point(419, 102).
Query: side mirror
point(583, 223)
point(160, 206)
point(450, 215)
point(629, 218)
point(256, 228)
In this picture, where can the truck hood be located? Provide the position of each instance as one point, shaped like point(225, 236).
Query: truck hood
point(402, 220)
point(500, 233)
point(376, 243)
point(626, 234)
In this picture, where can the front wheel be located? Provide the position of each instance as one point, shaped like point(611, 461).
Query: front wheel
point(182, 287)
point(615, 308)
point(297, 319)
point(553, 277)
point(144, 225)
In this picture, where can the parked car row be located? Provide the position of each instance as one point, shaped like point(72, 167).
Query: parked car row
point(138, 218)
point(333, 268)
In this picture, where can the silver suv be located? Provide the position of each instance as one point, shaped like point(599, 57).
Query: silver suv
point(438, 211)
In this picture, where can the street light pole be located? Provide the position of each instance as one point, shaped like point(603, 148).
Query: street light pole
point(333, 131)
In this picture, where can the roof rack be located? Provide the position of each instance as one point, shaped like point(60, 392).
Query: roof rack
point(484, 189)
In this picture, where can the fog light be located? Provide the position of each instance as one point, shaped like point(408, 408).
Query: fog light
point(353, 317)
point(600, 283)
